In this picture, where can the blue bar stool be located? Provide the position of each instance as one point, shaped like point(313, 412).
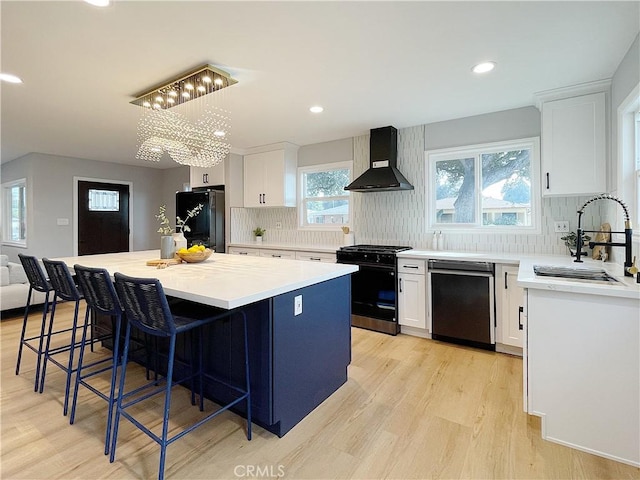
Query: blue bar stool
point(38, 282)
point(147, 309)
point(65, 289)
point(101, 297)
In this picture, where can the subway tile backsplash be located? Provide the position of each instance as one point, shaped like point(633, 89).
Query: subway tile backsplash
point(398, 218)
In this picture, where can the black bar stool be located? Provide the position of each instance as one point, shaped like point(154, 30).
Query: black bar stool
point(147, 309)
point(38, 282)
point(65, 289)
point(100, 295)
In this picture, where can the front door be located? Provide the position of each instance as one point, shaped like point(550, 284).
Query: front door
point(103, 218)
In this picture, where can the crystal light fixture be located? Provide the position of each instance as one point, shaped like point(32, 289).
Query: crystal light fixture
point(196, 130)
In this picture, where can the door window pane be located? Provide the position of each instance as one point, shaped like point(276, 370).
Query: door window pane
point(104, 200)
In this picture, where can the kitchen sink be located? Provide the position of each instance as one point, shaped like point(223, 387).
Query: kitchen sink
point(593, 274)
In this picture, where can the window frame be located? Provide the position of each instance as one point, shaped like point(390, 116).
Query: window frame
point(6, 212)
point(324, 167)
point(476, 151)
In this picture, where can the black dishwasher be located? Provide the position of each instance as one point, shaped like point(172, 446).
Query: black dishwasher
point(462, 302)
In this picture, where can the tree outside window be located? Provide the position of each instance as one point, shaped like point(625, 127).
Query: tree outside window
point(324, 203)
point(483, 186)
point(14, 216)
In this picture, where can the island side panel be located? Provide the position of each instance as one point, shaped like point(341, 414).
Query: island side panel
point(584, 371)
point(311, 351)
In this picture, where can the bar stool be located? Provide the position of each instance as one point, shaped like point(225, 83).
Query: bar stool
point(38, 282)
point(65, 289)
point(147, 309)
point(101, 297)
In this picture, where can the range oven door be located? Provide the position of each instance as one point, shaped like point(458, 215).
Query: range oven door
point(374, 297)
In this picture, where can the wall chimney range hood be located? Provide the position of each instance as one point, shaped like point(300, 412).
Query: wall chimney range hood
point(383, 174)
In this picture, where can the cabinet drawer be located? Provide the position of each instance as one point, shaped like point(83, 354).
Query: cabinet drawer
point(253, 252)
point(407, 265)
point(316, 257)
point(277, 254)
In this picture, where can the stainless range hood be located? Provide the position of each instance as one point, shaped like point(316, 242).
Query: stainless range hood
point(383, 174)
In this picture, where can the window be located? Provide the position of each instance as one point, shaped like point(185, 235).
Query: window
point(14, 216)
point(491, 186)
point(637, 151)
point(323, 202)
point(104, 200)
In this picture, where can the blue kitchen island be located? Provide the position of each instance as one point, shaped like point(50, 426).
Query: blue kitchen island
point(297, 360)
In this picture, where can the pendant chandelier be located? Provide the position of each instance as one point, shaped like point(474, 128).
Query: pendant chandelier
point(185, 118)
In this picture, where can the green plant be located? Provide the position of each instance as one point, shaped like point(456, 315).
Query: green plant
point(165, 226)
point(258, 231)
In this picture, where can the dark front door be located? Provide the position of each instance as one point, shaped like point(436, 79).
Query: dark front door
point(103, 218)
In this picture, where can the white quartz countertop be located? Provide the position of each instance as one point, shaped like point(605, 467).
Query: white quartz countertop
point(626, 287)
point(288, 246)
point(224, 281)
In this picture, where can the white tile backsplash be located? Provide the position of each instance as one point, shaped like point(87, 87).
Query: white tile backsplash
point(398, 218)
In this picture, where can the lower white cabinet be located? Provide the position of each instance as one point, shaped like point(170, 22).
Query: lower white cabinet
point(316, 257)
point(509, 306)
point(252, 252)
point(278, 254)
point(412, 293)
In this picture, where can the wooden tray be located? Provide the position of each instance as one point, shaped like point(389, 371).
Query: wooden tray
point(164, 262)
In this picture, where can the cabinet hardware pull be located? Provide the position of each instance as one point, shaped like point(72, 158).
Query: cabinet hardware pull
point(505, 281)
point(276, 256)
point(415, 267)
point(520, 311)
point(400, 284)
point(243, 253)
point(547, 180)
point(317, 259)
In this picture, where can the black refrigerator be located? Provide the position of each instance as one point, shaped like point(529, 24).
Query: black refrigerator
point(207, 227)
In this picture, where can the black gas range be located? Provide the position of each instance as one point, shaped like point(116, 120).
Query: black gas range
point(374, 287)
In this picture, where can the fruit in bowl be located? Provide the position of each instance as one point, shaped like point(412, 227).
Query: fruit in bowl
point(194, 254)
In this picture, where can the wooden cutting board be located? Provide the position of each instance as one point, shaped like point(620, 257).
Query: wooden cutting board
point(163, 262)
point(604, 235)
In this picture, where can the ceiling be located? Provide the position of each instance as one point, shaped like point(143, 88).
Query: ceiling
point(369, 64)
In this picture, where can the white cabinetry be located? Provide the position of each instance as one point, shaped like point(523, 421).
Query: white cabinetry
point(206, 177)
point(270, 178)
point(509, 307)
point(574, 145)
point(278, 254)
point(251, 252)
point(316, 257)
point(412, 293)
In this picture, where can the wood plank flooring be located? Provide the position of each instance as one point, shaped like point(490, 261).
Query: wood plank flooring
point(412, 409)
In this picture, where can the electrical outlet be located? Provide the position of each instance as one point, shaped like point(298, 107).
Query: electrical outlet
point(297, 305)
point(561, 226)
point(278, 225)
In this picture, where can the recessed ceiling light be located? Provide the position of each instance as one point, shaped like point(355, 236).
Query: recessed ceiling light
point(7, 77)
point(316, 109)
point(98, 3)
point(484, 67)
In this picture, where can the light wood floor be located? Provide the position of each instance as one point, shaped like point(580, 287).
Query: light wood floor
point(412, 409)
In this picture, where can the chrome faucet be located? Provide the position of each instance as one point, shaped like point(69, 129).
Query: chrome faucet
point(627, 234)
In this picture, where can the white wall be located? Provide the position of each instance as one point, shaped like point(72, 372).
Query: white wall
point(50, 196)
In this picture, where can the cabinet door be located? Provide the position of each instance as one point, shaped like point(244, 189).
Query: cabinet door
point(251, 252)
point(278, 254)
point(274, 179)
point(574, 145)
point(412, 300)
point(316, 257)
point(253, 180)
point(510, 300)
point(205, 177)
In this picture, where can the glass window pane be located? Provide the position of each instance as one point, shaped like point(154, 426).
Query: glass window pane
point(18, 228)
point(104, 200)
point(326, 184)
point(455, 191)
point(506, 188)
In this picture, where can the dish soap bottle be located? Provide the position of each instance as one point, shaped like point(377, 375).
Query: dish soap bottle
point(440, 241)
point(434, 242)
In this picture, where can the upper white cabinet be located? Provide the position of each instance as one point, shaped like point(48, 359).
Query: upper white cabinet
point(509, 306)
point(206, 177)
point(270, 178)
point(574, 144)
